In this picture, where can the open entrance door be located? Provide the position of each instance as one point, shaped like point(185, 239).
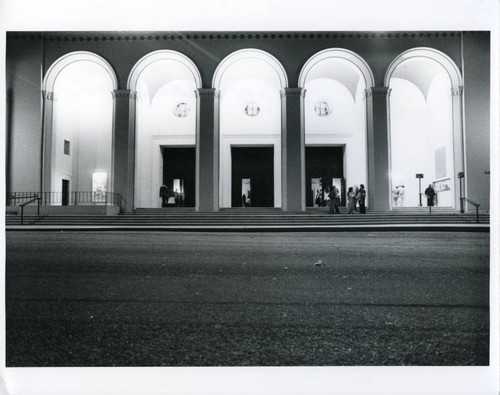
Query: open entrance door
point(252, 176)
point(65, 192)
point(324, 168)
point(179, 169)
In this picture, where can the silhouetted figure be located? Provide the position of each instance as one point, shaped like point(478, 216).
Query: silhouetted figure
point(430, 194)
point(164, 195)
point(361, 197)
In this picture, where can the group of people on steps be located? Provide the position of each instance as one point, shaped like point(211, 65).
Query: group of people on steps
point(355, 197)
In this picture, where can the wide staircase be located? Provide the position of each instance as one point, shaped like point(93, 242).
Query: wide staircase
point(256, 218)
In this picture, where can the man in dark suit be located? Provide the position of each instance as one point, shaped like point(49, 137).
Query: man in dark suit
point(164, 195)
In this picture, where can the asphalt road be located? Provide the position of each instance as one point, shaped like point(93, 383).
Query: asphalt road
point(235, 299)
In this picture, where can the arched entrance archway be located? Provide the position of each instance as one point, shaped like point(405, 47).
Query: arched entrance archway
point(335, 82)
point(165, 83)
point(425, 128)
point(78, 112)
point(250, 83)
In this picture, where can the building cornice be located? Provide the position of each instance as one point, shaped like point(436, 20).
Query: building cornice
point(221, 35)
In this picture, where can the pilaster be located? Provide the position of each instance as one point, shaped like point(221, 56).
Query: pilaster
point(123, 154)
point(48, 114)
point(458, 141)
point(207, 150)
point(293, 152)
point(377, 100)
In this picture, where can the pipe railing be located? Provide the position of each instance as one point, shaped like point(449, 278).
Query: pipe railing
point(75, 198)
point(464, 199)
point(33, 199)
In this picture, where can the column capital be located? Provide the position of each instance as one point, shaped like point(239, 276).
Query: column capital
point(293, 92)
point(48, 95)
point(457, 91)
point(378, 91)
point(207, 92)
point(124, 94)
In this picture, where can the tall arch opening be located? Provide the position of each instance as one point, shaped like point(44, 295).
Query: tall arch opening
point(335, 113)
point(78, 129)
point(165, 83)
point(425, 132)
point(250, 83)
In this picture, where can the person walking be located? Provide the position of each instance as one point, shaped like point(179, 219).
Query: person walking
point(351, 199)
point(163, 195)
point(361, 197)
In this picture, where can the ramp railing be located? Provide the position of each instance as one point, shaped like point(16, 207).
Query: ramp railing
point(464, 199)
point(35, 198)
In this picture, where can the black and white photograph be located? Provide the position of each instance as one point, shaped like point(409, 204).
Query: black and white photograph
point(249, 198)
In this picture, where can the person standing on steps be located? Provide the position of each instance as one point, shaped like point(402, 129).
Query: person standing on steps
point(401, 198)
point(177, 198)
point(331, 196)
point(334, 200)
point(361, 197)
point(163, 195)
point(430, 194)
point(351, 199)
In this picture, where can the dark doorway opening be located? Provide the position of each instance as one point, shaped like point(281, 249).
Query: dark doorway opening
point(179, 172)
point(65, 192)
point(323, 165)
point(255, 164)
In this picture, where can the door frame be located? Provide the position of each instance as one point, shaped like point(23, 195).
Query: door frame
point(230, 186)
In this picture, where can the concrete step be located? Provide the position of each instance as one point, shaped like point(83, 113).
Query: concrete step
point(234, 218)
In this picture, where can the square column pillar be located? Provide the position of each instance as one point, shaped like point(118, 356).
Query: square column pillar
point(123, 156)
point(293, 152)
point(458, 145)
point(207, 150)
point(378, 148)
point(48, 114)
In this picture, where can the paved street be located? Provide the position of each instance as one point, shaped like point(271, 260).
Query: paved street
point(239, 299)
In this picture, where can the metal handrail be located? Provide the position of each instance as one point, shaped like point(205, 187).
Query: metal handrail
point(75, 198)
point(35, 198)
point(122, 202)
point(464, 199)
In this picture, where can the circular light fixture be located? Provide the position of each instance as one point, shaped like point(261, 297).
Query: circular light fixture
point(182, 110)
point(322, 109)
point(252, 109)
